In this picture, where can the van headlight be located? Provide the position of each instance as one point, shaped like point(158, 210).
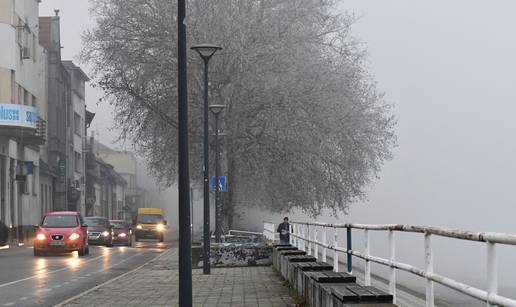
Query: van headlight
point(105, 233)
point(139, 226)
point(160, 227)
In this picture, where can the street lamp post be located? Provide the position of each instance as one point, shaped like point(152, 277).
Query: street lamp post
point(216, 109)
point(185, 240)
point(206, 51)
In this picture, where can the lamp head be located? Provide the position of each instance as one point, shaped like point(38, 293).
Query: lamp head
point(206, 51)
point(216, 108)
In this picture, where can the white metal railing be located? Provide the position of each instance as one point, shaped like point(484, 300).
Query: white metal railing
point(269, 231)
point(304, 235)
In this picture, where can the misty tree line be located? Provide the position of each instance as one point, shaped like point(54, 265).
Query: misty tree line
point(305, 125)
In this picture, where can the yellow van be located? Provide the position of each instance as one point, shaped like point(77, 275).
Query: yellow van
point(150, 224)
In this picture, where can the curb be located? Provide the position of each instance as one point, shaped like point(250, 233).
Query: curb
point(111, 280)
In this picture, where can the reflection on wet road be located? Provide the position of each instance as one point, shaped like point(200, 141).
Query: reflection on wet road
point(26, 280)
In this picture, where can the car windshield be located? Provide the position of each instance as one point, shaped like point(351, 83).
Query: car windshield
point(149, 218)
point(60, 221)
point(95, 221)
point(118, 225)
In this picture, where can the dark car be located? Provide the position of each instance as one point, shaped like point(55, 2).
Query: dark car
point(122, 232)
point(100, 231)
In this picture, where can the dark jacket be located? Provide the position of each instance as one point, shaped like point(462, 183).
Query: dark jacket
point(284, 231)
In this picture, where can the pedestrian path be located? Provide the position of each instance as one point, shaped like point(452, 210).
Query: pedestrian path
point(156, 284)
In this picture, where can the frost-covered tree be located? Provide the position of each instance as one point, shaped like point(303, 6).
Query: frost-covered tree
point(305, 125)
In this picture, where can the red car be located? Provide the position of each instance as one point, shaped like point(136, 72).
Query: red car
point(60, 232)
point(122, 232)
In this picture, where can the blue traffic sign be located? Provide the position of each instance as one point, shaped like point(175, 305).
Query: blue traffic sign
point(223, 187)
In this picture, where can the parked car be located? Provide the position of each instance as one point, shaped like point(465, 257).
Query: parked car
point(59, 232)
point(122, 232)
point(100, 231)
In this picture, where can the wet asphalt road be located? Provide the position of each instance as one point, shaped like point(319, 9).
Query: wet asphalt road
point(26, 280)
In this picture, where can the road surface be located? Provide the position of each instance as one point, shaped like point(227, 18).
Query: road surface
point(26, 280)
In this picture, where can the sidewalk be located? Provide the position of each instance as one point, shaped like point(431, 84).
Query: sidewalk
point(156, 284)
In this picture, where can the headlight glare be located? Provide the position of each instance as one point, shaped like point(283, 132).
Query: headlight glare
point(139, 227)
point(74, 236)
point(40, 237)
point(122, 235)
point(160, 227)
point(105, 233)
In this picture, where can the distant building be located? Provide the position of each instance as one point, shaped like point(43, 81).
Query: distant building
point(106, 188)
point(126, 164)
point(59, 101)
point(77, 138)
point(23, 115)
point(67, 123)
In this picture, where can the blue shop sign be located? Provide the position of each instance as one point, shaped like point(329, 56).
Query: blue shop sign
point(16, 115)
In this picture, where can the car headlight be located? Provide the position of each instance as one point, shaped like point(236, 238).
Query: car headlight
point(105, 233)
point(139, 227)
point(74, 236)
point(122, 235)
point(40, 237)
point(130, 232)
point(160, 227)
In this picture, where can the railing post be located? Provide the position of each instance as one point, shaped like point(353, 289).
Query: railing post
point(335, 253)
point(303, 241)
point(392, 256)
point(325, 243)
point(492, 272)
point(349, 249)
point(429, 264)
point(309, 242)
point(316, 247)
point(367, 277)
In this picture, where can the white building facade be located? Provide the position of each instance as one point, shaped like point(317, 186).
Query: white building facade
point(22, 115)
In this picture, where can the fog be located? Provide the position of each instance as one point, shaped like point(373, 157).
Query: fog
point(448, 69)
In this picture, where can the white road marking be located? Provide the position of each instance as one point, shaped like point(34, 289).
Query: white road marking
point(9, 304)
point(51, 272)
point(57, 286)
point(23, 298)
point(66, 283)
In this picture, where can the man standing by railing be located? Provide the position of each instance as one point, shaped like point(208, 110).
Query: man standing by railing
point(284, 231)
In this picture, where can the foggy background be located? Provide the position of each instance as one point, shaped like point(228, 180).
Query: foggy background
point(448, 67)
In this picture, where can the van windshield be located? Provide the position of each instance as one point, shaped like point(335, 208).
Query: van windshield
point(60, 221)
point(149, 218)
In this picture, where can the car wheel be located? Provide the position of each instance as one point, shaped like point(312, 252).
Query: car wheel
point(82, 251)
point(161, 238)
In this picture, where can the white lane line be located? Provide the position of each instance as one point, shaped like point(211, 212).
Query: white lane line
point(46, 273)
point(9, 304)
point(66, 283)
point(57, 286)
point(112, 280)
point(23, 298)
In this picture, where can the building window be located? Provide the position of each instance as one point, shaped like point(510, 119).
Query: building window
point(26, 95)
point(77, 124)
point(78, 163)
point(33, 100)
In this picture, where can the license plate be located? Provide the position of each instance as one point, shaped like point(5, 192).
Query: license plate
point(92, 238)
point(56, 243)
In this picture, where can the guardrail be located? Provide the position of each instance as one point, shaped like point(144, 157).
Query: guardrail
point(305, 236)
point(270, 232)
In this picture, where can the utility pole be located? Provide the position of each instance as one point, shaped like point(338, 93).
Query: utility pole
point(185, 240)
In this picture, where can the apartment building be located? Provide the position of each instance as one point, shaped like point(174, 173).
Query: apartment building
point(23, 115)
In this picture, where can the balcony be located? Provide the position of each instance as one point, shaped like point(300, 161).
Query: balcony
point(21, 122)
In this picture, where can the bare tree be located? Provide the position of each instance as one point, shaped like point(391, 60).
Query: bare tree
point(305, 124)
